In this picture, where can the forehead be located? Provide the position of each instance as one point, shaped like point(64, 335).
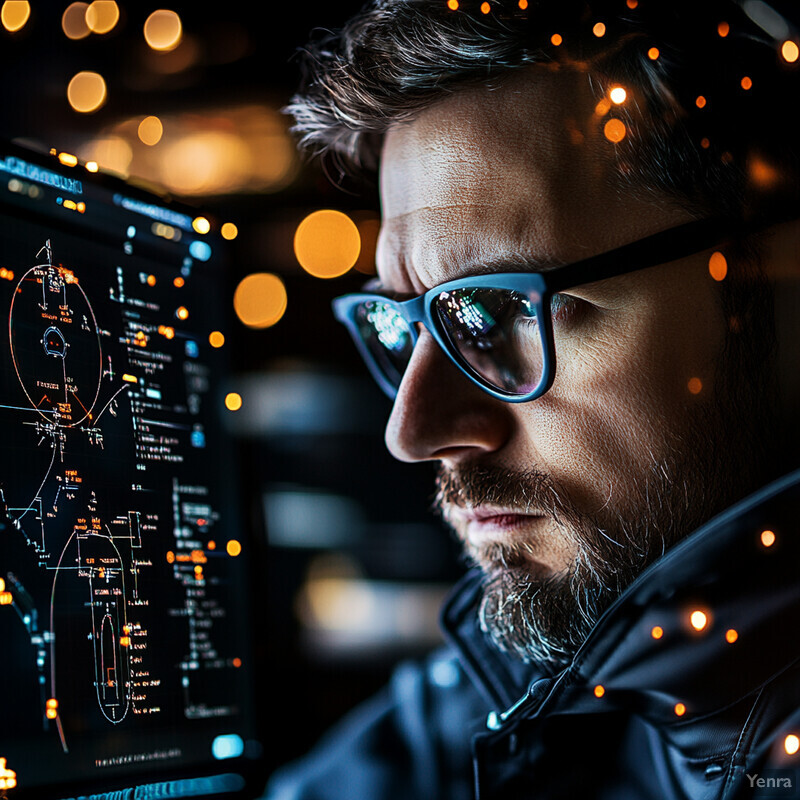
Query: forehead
point(505, 175)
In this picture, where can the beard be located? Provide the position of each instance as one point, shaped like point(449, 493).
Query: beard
point(545, 618)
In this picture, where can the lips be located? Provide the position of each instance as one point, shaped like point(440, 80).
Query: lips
point(488, 522)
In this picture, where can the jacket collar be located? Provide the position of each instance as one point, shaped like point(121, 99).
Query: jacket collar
point(748, 591)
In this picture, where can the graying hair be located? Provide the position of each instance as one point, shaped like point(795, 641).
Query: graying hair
point(396, 57)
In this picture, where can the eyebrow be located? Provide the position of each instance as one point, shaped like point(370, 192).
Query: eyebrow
point(509, 262)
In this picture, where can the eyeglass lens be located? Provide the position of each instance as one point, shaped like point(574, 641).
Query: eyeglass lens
point(388, 338)
point(494, 333)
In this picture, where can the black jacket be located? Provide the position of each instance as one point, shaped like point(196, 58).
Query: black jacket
point(684, 714)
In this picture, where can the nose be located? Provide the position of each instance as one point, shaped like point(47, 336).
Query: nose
point(439, 414)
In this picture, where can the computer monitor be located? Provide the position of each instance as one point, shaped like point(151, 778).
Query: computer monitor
point(127, 623)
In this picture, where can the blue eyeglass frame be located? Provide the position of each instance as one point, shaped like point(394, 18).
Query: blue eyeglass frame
point(659, 248)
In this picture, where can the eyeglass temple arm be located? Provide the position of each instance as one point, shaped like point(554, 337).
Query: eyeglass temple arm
point(660, 248)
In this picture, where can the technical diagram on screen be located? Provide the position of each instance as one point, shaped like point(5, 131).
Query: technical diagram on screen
point(126, 630)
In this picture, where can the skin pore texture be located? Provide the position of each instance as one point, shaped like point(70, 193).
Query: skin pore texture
point(561, 501)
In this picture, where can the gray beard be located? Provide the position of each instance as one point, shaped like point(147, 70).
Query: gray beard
point(545, 620)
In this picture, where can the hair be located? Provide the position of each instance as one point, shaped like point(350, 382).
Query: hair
point(734, 156)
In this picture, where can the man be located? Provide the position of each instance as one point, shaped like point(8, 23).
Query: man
point(586, 312)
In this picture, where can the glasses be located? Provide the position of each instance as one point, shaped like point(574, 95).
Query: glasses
point(498, 328)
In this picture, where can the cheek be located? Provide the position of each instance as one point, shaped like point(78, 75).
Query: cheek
point(595, 444)
point(617, 403)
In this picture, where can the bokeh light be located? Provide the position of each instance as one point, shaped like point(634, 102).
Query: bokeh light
point(199, 157)
point(327, 243)
point(731, 635)
point(112, 153)
point(229, 231)
point(86, 92)
point(260, 300)
point(761, 172)
point(485, 8)
point(791, 744)
point(747, 83)
point(233, 401)
point(557, 39)
point(603, 107)
point(73, 21)
point(599, 29)
point(790, 51)
point(723, 29)
point(698, 620)
point(216, 339)
point(102, 16)
point(201, 225)
point(203, 161)
point(701, 101)
point(653, 53)
point(14, 14)
point(614, 130)
point(767, 538)
point(618, 95)
point(150, 131)
point(452, 5)
point(657, 632)
point(163, 30)
point(680, 709)
point(599, 690)
point(233, 548)
point(695, 385)
point(717, 266)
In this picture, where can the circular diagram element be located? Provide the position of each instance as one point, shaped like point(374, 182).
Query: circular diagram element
point(55, 345)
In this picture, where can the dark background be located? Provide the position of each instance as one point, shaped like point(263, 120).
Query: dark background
point(356, 563)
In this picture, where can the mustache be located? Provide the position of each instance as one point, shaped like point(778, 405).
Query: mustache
point(529, 491)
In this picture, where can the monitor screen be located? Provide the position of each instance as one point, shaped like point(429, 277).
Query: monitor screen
point(126, 626)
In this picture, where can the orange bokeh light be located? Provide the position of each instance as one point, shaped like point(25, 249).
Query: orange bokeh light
point(717, 266)
point(327, 243)
point(790, 51)
point(614, 130)
point(260, 300)
point(233, 548)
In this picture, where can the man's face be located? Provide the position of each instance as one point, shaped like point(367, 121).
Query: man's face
point(564, 499)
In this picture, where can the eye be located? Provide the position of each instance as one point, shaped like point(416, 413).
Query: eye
point(564, 307)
